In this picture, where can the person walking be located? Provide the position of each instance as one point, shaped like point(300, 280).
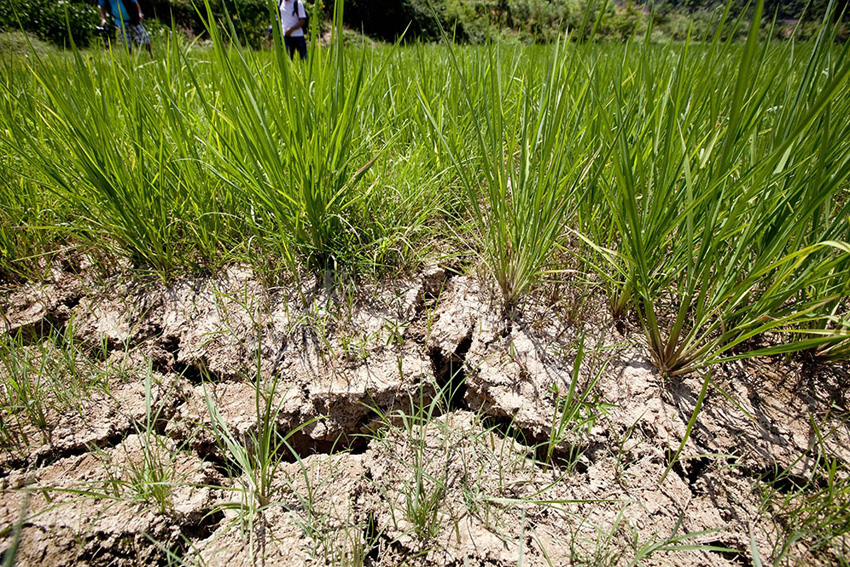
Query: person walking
point(293, 20)
point(128, 19)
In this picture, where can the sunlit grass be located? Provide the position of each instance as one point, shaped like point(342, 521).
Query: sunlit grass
point(705, 184)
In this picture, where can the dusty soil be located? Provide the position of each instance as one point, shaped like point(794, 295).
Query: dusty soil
point(418, 425)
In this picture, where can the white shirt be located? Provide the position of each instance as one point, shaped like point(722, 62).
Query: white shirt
point(288, 19)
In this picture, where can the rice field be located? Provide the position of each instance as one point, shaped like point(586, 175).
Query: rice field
point(688, 200)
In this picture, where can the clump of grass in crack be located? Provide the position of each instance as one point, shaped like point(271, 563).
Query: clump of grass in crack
point(439, 463)
point(346, 546)
point(76, 371)
point(444, 475)
point(424, 492)
point(256, 455)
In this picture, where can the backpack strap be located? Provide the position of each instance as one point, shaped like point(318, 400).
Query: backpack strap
point(294, 7)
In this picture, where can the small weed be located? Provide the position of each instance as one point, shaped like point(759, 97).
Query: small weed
point(815, 511)
point(256, 456)
point(575, 411)
point(150, 476)
point(422, 489)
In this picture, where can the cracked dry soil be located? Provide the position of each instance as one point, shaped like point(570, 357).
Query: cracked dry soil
point(418, 426)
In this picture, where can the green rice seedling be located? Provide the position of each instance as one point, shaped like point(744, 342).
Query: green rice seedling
point(424, 492)
point(258, 456)
point(416, 202)
point(422, 503)
point(10, 438)
point(151, 477)
point(123, 183)
point(575, 411)
point(531, 155)
point(838, 331)
point(491, 451)
point(346, 546)
point(73, 373)
point(147, 161)
point(620, 467)
point(118, 147)
point(817, 517)
point(53, 374)
point(30, 220)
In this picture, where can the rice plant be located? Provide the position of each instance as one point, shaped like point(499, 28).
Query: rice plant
point(530, 155)
point(714, 238)
point(292, 143)
point(118, 149)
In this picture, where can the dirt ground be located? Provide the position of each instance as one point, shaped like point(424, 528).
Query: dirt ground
point(411, 423)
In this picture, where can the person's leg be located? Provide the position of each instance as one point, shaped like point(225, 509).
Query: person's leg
point(301, 46)
point(123, 39)
point(290, 45)
point(141, 37)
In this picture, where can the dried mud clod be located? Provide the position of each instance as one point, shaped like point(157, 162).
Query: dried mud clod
point(89, 508)
point(35, 310)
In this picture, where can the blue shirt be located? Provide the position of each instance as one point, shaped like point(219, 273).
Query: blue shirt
point(119, 12)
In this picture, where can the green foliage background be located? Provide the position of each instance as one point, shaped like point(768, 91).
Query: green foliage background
point(51, 19)
point(250, 18)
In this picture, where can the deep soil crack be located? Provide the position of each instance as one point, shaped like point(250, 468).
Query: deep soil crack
point(450, 372)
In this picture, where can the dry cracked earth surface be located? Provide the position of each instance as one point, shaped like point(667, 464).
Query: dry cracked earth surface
point(217, 421)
